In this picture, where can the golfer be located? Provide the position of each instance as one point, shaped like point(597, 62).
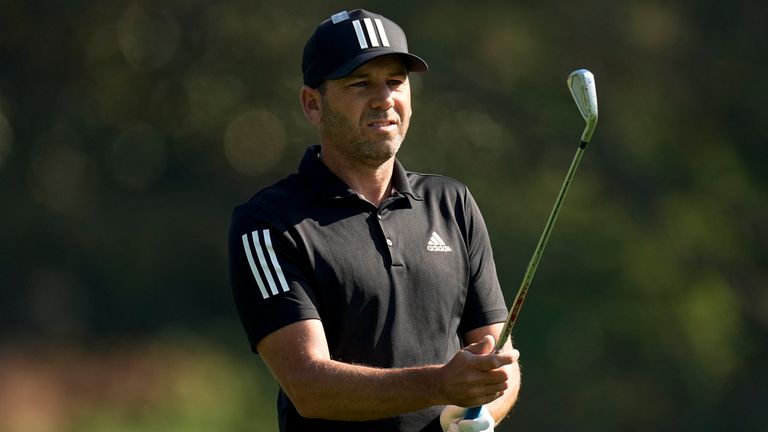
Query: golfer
point(370, 291)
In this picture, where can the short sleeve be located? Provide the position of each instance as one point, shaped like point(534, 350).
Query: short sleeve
point(485, 302)
point(269, 281)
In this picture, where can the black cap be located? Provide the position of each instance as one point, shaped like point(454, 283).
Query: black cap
point(345, 41)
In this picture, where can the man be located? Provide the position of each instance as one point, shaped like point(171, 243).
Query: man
point(358, 282)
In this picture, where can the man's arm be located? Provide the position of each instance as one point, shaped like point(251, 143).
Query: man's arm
point(321, 387)
point(500, 407)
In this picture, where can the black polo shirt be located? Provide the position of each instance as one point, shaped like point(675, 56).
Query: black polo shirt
point(394, 286)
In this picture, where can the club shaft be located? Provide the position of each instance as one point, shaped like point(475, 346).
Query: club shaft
point(522, 292)
point(474, 412)
point(582, 86)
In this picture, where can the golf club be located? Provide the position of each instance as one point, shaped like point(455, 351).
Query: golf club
point(581, 83)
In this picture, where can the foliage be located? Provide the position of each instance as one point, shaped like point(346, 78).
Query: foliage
point(128, 131)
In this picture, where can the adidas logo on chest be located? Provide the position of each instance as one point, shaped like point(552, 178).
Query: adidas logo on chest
point(436, 244)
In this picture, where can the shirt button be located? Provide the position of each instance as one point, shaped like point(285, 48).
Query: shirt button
point(379, 217)
point(389, 242)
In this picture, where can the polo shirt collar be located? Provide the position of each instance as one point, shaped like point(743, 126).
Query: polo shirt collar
point(400, 181)
point(330, 186)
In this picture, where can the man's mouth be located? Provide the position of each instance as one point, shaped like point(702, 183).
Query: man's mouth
point(382, 124)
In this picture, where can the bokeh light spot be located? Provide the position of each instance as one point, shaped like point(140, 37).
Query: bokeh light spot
point(211, 98)
point(254, 142)
point(654, 26)
point(148, 39)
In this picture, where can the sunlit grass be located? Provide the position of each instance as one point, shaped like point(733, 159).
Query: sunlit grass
point(158, 385)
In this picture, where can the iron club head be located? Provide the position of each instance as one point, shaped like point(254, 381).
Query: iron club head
point(581, 83)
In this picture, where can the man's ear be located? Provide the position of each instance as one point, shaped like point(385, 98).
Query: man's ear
point(311, 104)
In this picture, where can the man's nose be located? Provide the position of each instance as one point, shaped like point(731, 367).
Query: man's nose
point(382, 98)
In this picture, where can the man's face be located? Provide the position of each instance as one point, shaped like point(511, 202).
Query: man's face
point(366, 114)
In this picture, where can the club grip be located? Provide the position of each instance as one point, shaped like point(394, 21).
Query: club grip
point(473, 413)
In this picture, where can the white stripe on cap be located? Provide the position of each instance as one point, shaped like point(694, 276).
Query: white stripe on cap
point(382, 33)
point(360, 36)
point(371, 32)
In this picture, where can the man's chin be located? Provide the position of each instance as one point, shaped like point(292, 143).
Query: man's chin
point(380, 153)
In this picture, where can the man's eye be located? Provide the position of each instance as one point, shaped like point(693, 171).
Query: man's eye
point(358, 84)
point(394, 82)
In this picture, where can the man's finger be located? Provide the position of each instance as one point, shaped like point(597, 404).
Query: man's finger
point(491, 362)
point(485, 346)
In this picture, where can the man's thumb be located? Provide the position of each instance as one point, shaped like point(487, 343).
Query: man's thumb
point(485, 346)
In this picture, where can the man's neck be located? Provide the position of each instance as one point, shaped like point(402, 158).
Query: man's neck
point(374, 183)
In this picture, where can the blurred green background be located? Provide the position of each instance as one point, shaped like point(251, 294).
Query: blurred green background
point(129, 130)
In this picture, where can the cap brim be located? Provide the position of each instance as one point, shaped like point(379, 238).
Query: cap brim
point(414, 63)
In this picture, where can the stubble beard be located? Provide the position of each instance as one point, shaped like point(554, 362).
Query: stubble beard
point(349, 139)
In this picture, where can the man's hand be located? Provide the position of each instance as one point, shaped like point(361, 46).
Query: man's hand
point(475, 375)
point(452, 420)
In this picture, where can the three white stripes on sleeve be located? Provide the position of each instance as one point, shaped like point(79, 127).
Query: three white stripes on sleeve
point(265, 270)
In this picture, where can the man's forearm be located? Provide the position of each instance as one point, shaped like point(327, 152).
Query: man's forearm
point(338, 391)
point(321, 387)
